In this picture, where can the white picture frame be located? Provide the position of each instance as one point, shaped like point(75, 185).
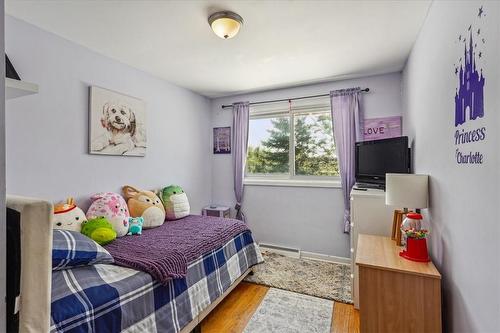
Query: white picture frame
point(117, 123)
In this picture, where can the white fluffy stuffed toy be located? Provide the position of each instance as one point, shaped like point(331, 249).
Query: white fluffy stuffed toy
point(68, 216)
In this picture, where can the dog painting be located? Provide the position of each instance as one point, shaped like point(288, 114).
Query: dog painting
point(117, 123)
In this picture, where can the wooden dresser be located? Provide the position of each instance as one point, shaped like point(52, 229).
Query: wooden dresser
point(369, 215)
point(396, 294)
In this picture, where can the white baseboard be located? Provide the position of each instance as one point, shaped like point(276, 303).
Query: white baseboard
point(325, 257)
point(283, 250)
point(297, 253)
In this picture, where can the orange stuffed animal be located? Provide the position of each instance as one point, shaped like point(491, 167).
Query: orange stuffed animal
point(145, 204)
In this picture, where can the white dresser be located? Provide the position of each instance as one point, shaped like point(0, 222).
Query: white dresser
point(369, 215)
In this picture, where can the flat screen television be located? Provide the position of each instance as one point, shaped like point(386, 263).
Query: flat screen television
point(376, 158)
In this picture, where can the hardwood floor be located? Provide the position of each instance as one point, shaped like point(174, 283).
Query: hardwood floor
point(234, 312)
point(345, 318)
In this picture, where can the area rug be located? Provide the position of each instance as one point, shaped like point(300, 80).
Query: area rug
point(311, 277)
point(285, 311)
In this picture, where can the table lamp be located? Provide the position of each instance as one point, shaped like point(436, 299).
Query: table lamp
point(405, 191)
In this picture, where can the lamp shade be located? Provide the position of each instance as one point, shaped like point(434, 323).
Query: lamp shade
point(406, 190)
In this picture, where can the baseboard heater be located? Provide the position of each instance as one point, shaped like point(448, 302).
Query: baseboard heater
point(284, 250)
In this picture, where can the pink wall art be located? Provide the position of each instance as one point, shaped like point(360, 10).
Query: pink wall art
point(382, 128)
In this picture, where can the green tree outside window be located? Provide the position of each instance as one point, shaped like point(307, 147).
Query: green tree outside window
point(313, 142)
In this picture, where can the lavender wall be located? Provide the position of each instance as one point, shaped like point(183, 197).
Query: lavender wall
point(463, 198)
point(301, 217)
point(47, 133)
point(2, 176)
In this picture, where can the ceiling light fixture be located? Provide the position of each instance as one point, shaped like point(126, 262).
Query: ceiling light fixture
point(225, 24)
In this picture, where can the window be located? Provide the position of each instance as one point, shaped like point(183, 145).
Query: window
point(269, 145)
point(308, 153)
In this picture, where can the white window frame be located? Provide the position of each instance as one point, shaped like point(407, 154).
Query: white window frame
point(290, 179)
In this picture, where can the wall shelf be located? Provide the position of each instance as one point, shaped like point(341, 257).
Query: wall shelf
point(16, 88)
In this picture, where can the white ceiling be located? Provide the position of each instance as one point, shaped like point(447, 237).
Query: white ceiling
point(282, 43)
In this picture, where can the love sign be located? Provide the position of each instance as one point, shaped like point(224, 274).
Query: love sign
point(382, 128)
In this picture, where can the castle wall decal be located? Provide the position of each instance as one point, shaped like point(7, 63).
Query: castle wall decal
point(469, 134)
point(469, 97)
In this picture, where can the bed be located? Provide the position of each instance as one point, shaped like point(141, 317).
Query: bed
point(112, 298)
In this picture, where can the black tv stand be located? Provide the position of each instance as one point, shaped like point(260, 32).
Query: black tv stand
point(370, 185)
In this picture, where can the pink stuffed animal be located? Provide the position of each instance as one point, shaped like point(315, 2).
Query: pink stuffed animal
point(114, 208)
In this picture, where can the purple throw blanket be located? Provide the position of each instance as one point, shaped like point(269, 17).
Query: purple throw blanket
point(165, 251)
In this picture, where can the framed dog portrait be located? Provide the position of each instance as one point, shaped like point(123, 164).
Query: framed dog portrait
point(117, 124)
point(222, 140)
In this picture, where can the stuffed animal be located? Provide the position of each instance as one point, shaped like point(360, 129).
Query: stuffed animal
point(113, 207)
point(100, 230)
point(135, 225)
point(68, 216)
point(145, 204)
point(175, 202)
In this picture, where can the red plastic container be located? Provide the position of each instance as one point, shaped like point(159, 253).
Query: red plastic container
point(416, 250)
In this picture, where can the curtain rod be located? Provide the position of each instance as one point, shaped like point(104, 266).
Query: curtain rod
point(288, 99)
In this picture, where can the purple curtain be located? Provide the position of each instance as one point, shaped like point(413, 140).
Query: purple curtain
point(240, 143)
point(347, 129)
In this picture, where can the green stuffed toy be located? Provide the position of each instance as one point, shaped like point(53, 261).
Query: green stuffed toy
point(175, 202)
point(100, 230)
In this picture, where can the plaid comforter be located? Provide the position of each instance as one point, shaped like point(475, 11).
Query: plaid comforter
point(109, 298)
